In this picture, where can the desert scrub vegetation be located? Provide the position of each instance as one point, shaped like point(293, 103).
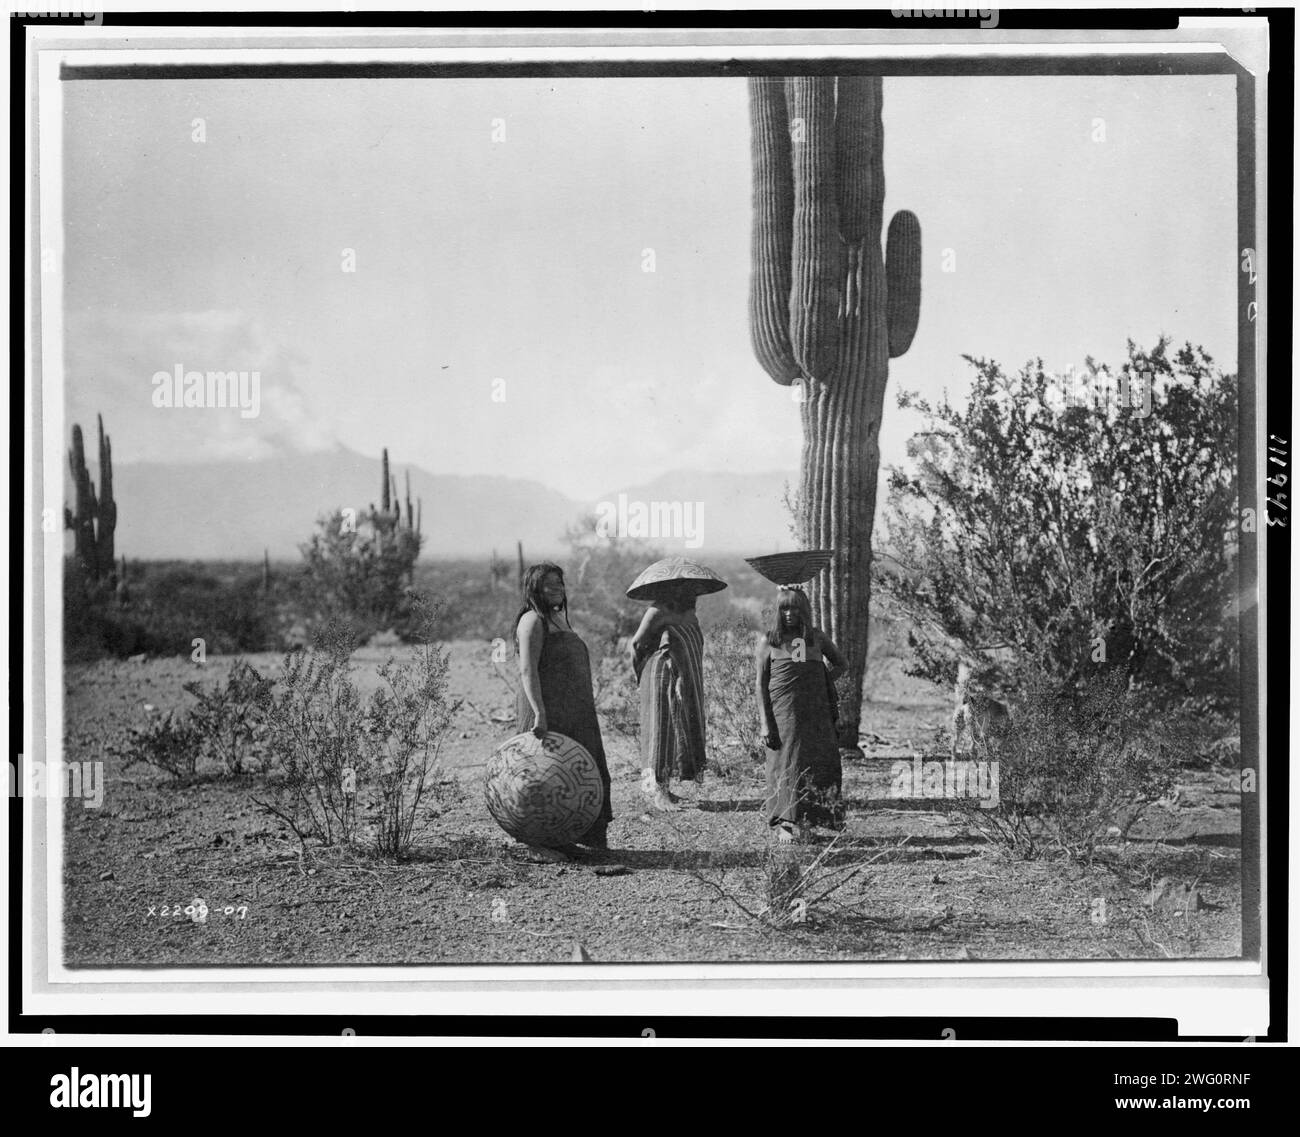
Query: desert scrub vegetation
point(1085, 539)
point(346, 766)
point(168, 605)
point(224, 728)
point(1075, 766)
point(734, 742)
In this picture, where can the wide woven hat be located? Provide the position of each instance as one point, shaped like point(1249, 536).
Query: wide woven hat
point(674, 571)
point(792, 568)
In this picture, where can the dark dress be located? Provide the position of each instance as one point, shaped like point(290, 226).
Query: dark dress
point(804, 777)
point(672, 728)
point(564, 671)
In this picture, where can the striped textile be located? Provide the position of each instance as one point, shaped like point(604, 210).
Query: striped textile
point(672, 729)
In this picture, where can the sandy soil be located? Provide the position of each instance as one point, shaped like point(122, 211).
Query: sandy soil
point(907, 880)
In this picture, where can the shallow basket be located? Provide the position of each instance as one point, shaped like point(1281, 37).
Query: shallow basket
point(792, 568)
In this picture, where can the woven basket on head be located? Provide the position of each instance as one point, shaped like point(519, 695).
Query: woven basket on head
point(672, 572)
point(792, 568)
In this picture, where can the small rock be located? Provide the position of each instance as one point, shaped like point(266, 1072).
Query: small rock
point(311, 872)
point(108, 874)
point(936, 879)
point(465, 734)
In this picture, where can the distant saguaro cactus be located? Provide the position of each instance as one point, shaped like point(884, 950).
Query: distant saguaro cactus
point(393, 537)
point(106, 556)
point(94, 521)
point(828, 312)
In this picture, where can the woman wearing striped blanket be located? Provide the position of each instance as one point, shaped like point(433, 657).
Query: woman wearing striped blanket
point(668, 660)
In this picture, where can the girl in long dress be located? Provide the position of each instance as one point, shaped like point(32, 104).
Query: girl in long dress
point(796, 663)
point(555, 685)
point(668, 660)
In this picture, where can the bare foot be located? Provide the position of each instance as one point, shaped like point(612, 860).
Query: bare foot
point(540, 854)
point(663, 800)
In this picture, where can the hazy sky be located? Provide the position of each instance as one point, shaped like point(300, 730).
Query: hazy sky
point(522, 259)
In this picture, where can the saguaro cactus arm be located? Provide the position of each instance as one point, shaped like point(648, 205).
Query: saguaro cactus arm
point(902, 280)
point(859, 156)
point(817, 250)
point(769, 291)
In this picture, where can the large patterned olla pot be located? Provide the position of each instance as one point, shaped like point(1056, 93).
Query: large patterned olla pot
point(543, 792)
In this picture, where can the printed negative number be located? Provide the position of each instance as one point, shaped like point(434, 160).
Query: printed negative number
point(237, 911)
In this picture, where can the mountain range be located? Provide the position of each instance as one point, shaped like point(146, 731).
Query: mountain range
point(233, 510)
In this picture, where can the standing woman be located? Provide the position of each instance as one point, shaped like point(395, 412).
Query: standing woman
point(804, 774)
point(555, 690)
point(668, 661)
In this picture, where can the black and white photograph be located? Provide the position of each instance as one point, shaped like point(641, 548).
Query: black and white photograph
point(552, 503)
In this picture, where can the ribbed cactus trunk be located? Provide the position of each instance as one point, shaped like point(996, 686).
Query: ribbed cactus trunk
point(106, 525)
point(827, 311)
point(81, 519)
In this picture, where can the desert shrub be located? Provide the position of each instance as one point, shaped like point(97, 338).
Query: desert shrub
point(1071, 763)
point(337, 752)
point(357, 572)
point(170, 742)
point(224, 726)
point(231, 718)
point(618, 698)
point(734, 739)
point(182, 604)
point(168, 609)
point(314, 733)
point(1082, 538)
point(91, 627)
point(407, 719)
point(480, 611)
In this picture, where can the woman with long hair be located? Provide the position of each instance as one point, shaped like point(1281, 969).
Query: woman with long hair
point(555, 690)
point(796, 665)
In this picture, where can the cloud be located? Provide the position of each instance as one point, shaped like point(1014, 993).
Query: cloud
point(110, 359)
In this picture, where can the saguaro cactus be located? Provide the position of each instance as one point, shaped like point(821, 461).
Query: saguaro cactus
point(105, 528)
point(828, 312)
point(94, 521)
